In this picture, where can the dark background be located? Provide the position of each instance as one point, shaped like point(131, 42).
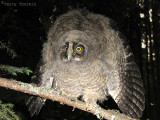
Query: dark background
point(24, 28)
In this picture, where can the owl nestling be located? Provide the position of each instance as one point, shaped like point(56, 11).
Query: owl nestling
point(85, 56)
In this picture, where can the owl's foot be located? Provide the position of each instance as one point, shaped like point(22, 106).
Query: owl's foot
point(69, 96)
point(98, 112)
point(93, 105)
point(90, 103)
point(89, 106)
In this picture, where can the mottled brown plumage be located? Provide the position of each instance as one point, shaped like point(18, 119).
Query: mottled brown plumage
point(86, 56)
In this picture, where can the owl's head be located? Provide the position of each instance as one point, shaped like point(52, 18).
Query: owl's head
point(73, 47)
point(76, 46)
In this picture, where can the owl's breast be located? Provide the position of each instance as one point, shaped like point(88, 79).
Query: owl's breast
point(76, 80)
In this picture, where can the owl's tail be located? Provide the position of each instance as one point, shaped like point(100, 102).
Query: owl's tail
point(35, 104)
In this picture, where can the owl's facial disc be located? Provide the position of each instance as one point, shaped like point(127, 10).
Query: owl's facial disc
point(73, 51)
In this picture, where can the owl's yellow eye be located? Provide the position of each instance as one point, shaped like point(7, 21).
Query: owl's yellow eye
point(78, 49)
point(65, 49)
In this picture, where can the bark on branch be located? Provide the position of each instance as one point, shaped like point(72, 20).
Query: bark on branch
point(57, 96)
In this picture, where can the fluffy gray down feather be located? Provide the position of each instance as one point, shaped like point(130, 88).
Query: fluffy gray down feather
point(116, 64)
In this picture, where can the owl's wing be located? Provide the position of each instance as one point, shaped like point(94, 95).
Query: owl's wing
point(35, 103)
point(41, 77)
point(123, 77)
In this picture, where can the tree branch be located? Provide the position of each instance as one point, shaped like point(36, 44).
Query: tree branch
point(55, 95)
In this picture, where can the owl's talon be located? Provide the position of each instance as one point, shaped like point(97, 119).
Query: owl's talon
point(89, 106)
point(99, 113)
point(69, 96)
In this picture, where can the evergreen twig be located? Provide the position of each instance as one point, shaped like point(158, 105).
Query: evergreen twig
point(11, 52)
point(14, 70)
point(6, 111)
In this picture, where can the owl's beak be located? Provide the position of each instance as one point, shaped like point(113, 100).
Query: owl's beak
point(70, 51)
